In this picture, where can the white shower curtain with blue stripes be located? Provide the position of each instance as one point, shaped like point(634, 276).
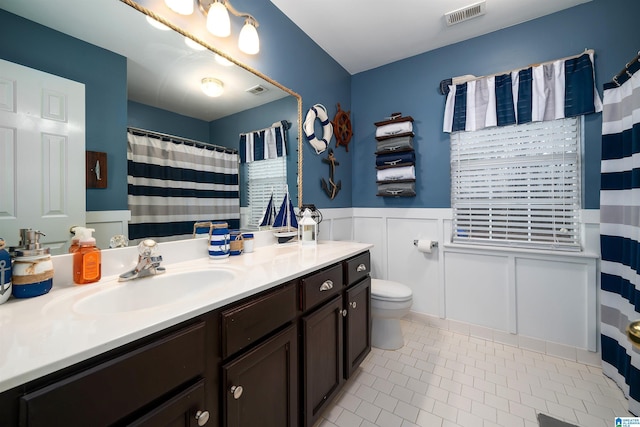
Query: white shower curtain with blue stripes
point(171, 186)
point(620, 232)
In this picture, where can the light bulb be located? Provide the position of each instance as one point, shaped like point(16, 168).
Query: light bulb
point(212, 87)
point(183, 7)
point(248, 41)
point(218, 22)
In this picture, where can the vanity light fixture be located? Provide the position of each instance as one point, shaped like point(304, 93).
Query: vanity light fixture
point(218, 22)
point(212, 87)
point(183, 7)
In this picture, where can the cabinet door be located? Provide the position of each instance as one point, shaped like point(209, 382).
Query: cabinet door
point(357, 325)
point(118, 388)
point(323, 358)
point(260, 387)
point(187, 409)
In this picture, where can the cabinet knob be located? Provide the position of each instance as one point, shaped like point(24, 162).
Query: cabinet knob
point(353, 304)
point(202, 417)
point(344, 313)
point(327, 285)
point(236, 391)
point(361, 267)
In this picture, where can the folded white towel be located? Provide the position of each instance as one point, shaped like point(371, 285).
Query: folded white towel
point(394, 129)
point(393, 174)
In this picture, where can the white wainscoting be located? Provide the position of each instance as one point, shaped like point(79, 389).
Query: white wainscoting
point(108, 224)
point(538, 300)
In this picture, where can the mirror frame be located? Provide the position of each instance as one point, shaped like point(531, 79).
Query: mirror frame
point(213, 49)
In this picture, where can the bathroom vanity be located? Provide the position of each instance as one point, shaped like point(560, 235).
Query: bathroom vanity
point(271, 347)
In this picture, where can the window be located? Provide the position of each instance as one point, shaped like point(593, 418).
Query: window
point(518, 185)
point(263, 178)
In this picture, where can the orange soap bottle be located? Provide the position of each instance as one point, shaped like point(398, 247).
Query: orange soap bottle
point(87, 260)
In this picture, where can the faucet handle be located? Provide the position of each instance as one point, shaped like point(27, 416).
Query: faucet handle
point(147, 247)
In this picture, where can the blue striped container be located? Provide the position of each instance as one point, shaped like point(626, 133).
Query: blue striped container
point(219, 243)
point(5, 273)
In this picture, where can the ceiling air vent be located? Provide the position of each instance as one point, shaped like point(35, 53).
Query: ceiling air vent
point(464, 14)
point(257, 90)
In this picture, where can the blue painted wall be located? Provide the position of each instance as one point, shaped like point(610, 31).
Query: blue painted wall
point(151, 118)
point(104, 74)
point(411, 86)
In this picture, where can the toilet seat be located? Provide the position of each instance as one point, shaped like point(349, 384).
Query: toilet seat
point(387, 290)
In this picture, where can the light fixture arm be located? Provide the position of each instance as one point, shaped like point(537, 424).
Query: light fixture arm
point(205, 4)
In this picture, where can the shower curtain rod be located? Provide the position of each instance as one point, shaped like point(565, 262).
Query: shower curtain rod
point(625, 70)
point(180, 140)
point(283, 122)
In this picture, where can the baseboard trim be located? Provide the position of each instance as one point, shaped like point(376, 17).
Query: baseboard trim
point(548, 348)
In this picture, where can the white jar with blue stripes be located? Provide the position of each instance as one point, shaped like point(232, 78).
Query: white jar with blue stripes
point(219, 242)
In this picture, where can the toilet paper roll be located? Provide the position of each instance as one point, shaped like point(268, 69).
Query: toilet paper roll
point(424, 246)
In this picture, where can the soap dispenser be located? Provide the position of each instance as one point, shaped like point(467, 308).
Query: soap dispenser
point(87, 259)
point(32, 266)
point(75, 240)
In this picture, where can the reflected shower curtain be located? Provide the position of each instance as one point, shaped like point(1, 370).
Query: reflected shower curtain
point(173, 185)
point(620, 234)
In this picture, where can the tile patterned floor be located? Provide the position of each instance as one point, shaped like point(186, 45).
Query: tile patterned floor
point(443, 379)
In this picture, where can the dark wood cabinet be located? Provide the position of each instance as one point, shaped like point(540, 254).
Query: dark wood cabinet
point(274, 359)
point(186, 409)
point(260, 360)
point(260, 387)
point(357, 325)
point(133, 388)
point(322, 357)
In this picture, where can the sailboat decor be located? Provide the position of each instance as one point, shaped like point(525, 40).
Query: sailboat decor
point(285, 226)
point(269, 214)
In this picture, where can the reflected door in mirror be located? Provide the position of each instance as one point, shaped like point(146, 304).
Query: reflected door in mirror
point(42, 139)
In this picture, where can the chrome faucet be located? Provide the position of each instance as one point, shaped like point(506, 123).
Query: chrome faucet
point(148, 262)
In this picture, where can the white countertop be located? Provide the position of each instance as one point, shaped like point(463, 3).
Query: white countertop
point(41, 335)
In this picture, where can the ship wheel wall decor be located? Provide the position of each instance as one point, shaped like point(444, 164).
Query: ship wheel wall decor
point(342, 128)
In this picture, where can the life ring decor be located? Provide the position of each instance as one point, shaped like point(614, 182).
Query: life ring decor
point(318, 111)
point(342, 127)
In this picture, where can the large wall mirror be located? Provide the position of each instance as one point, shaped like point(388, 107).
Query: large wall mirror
point(164, 74)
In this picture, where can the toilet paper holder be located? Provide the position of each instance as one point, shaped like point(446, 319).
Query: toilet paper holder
point(432, 245)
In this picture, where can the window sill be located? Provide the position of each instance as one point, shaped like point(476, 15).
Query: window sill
point(480, 249)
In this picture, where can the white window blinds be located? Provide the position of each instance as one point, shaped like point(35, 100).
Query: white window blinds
point(264, 177)
point(518, 185)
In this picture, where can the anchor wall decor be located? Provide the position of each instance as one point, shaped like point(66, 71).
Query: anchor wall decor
point(332, 188)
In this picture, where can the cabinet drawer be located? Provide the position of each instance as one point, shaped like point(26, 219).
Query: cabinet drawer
point(320, 286)
point(356, 268)
point(108, 392)
point(248, 322)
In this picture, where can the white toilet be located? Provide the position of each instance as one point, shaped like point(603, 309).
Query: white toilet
point(390, 301)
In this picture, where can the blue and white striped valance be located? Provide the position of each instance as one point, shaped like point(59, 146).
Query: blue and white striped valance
point(549, 91)
point(269, 143)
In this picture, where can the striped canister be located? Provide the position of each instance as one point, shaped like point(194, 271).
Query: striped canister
point(219, 243)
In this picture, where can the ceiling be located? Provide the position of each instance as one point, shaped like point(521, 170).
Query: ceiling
point(364, 34)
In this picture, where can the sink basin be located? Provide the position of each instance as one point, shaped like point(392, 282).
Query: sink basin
point(153, 291)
